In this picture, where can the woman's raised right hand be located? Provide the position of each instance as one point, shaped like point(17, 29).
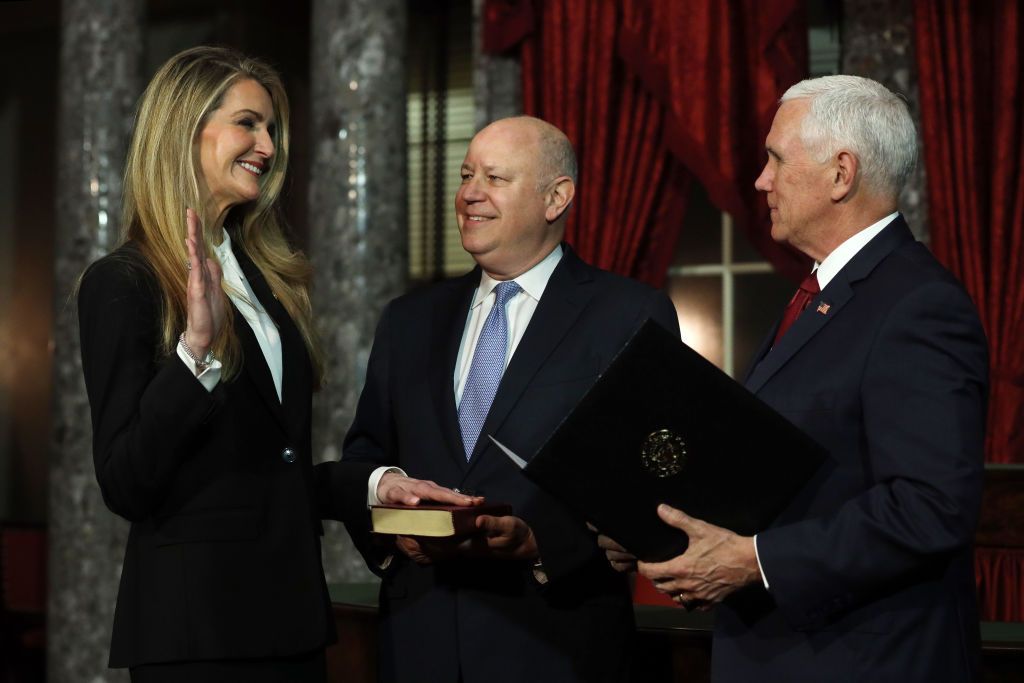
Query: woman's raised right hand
point(205, 299)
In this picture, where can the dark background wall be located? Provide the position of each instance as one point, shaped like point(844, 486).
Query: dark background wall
point(28, 107)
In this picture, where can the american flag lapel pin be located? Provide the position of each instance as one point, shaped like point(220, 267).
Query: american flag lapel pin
point(823, 308)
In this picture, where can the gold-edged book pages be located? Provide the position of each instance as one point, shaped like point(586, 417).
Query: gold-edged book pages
point(436, 521)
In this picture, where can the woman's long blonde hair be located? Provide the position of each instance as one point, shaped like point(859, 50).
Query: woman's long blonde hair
point(161, 181)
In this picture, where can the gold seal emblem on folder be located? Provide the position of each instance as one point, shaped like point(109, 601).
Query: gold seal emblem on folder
point(663, 453)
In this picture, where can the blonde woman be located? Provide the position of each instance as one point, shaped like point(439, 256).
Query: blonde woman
point(200, 360)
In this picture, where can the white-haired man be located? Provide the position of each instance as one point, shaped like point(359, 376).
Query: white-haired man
point(880, 357)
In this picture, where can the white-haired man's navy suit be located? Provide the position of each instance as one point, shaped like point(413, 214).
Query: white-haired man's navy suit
point(870, 569)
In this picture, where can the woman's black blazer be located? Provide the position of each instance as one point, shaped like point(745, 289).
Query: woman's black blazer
point(223, 556)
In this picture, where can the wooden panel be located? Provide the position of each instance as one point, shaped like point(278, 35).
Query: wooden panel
point(1001, 524)
point(353, 659)
point(671, 644)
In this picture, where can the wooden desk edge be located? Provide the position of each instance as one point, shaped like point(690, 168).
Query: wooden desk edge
point(996, 636)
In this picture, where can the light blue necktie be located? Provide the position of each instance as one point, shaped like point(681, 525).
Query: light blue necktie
point(487, 367)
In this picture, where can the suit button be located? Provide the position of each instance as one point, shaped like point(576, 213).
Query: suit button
point(288, 455)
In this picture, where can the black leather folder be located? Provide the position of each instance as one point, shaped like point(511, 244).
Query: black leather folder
point(663, 425)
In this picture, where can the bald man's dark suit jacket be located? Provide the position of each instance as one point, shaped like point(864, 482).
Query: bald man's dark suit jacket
point(490, 618)
point(870, 569)
point(223, 554)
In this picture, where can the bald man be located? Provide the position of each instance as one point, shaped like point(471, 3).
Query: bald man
point(505, 350)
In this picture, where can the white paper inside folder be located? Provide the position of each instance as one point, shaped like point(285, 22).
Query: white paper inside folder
point(516, 460)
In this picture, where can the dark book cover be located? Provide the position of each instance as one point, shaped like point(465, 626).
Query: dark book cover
point(663, 425)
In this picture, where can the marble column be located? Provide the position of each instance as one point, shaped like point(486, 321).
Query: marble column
point(878, 43)
point(358, 211)
point(100, 80)
point(497, 79)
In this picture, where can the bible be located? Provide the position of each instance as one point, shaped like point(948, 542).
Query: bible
point(438, 521)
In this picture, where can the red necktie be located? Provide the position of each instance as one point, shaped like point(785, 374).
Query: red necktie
point(808, 290)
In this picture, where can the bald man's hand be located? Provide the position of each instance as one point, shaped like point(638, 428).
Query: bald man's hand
point(397, 489)
point(507, 537)
point(503, 538)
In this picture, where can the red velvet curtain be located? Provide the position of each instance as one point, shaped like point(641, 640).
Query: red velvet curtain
point(712, 72)
point(631, 192)
point(970, 74)
point(630, 79)
point(999, 573)
point(719, 69)
point(972, 80)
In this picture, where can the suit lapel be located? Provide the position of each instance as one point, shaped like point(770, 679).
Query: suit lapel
point(828, 304)
point(448, 326)
point(254, 363)
point(818, 314)
point(564, 298)
point(762, 351)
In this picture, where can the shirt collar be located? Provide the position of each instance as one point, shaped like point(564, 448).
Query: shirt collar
point(841, 255)
point(224, 248)
point(533, 281)
point(231, 270)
